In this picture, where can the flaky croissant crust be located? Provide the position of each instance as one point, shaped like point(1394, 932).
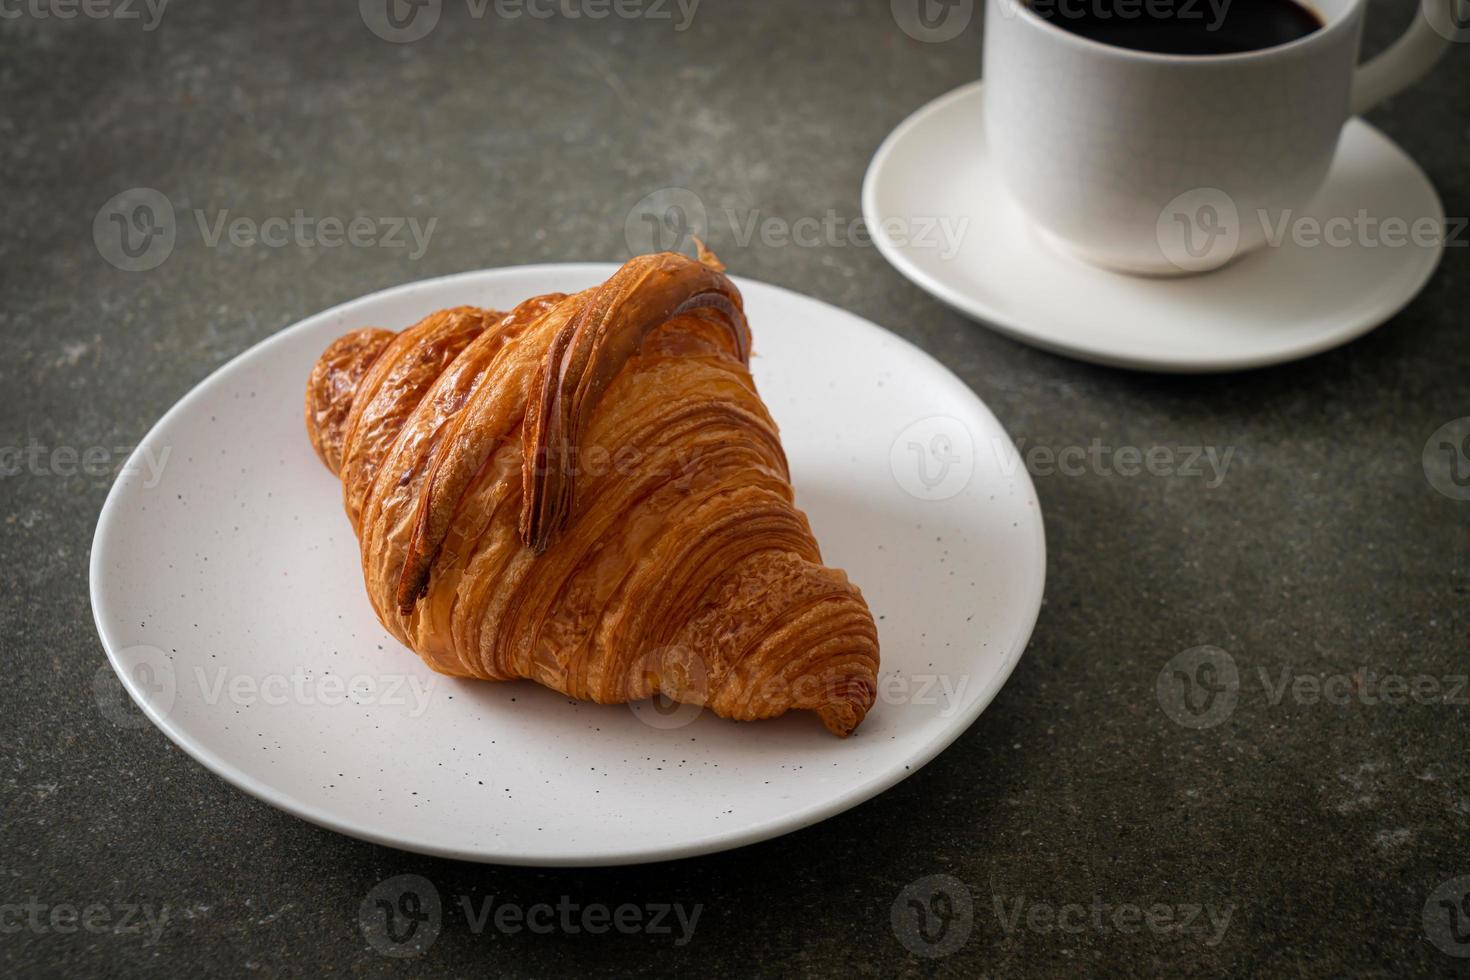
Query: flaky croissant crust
point(588, 492)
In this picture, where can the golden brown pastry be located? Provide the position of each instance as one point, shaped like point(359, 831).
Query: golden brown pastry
point(588, 492)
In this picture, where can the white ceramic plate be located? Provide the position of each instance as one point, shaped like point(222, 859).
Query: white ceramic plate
point(1274, 305)
point(227, 590)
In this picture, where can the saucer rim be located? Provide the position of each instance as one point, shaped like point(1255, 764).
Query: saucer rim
point(973, 304)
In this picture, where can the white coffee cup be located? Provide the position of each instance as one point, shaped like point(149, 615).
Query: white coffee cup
point(1159, 164)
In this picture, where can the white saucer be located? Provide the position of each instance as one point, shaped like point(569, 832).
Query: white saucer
point(1273, 305)
point(224, 568)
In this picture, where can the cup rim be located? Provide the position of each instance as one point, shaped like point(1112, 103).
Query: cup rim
point(1329, 29)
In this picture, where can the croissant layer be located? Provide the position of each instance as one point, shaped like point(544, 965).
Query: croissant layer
point(588, 492)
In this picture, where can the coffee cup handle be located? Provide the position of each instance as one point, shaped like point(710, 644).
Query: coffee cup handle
point(1410, 57)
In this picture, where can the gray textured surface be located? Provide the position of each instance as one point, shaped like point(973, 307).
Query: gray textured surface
point(1324, 828)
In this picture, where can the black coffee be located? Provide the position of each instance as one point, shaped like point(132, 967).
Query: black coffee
point(1199, 27)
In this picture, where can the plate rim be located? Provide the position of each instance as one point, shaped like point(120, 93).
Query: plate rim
point(974, 307)
point(112, 510)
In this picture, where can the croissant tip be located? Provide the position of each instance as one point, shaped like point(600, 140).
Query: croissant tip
point(841, 718)
point(706, 257)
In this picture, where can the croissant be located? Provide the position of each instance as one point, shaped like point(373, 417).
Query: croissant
point(588, 492)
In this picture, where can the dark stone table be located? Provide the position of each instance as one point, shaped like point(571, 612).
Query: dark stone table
point(1081, 819)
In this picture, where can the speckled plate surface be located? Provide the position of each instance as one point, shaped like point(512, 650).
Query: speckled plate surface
point(227, 591)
